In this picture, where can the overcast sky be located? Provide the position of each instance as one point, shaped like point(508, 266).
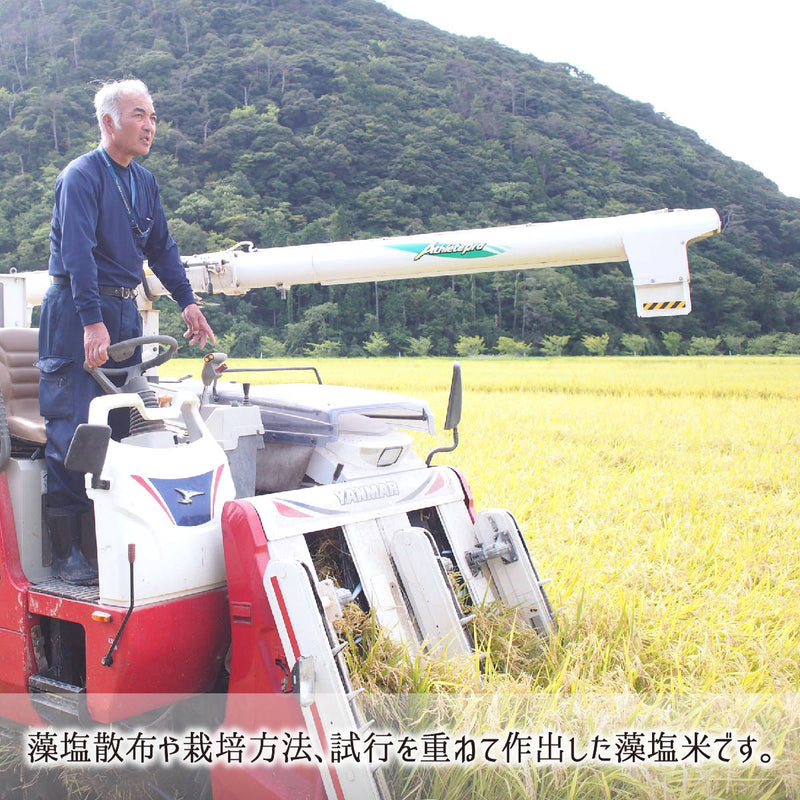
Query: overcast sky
point(728, 71)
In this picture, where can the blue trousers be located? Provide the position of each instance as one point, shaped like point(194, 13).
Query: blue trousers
point(66, 389)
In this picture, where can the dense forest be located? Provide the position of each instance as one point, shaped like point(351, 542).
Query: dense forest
point(296, 121)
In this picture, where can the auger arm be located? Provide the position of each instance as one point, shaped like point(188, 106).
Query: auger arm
point(654, 244)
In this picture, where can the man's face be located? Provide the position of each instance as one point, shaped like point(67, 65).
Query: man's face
point(136, 130)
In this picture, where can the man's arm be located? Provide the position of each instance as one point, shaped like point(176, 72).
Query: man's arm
point(75, 221)
point(164, 259)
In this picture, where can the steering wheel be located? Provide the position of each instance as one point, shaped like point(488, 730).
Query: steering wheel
point(124, 350)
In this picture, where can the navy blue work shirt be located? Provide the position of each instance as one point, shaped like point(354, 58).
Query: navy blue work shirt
point(92, 241)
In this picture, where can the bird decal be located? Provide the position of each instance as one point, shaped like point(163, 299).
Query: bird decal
point(187, 496)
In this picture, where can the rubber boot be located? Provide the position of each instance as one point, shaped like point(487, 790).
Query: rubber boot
point(69, 562)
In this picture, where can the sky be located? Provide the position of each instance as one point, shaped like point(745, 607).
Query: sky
point(729, 71)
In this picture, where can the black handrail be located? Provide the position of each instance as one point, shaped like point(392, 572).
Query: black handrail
point(222, 374)
point(270, 369)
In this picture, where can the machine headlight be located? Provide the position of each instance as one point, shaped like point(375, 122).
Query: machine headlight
point(389, 456)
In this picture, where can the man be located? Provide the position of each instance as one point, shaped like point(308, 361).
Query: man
point(107, 218)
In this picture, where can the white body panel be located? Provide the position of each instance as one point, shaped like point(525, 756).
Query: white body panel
point(433, 604)
point(167, 500)
point(19, 293)
point(288, 514)
point(26, 478)
point(514, 578)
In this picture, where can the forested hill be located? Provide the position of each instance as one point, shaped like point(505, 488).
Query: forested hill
point(294, 121)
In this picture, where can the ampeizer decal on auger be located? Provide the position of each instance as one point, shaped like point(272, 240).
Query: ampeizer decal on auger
point(450, 250)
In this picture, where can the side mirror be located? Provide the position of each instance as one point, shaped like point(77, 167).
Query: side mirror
point(453, 416)
point(87, 451)
point(213, 365)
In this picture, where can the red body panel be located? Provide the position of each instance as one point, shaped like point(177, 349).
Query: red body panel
point(255, 643)
point(172, 648)
point(17, 661)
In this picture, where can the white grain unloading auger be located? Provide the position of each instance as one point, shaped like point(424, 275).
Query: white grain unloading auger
point(212, 515)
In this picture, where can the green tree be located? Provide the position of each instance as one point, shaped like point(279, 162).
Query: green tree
point(733, 342)
point(420, 346)
point(596, 345)
point(763, 345)
point(634, 343)
point(672, 342)
point(553, 345)
point(316, 325)
point(377, 344)
point(704, 346)
point(326, 349)
point(470, 346)
point(789, 344)
point(510, 347)
point(271, 347)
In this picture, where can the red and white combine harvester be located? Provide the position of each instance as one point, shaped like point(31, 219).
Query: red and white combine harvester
point(211, 515)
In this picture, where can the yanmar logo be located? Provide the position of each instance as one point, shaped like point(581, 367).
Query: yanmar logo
point(449, 249)
point(362, 494)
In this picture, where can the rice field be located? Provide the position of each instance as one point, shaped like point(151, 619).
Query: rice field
point(661, 497)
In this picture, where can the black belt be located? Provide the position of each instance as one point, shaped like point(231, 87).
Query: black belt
point(108, 291)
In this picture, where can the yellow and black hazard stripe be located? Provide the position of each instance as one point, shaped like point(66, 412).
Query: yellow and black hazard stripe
point(668, 305)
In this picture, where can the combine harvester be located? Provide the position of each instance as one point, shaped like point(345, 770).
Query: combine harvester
point(212, 515)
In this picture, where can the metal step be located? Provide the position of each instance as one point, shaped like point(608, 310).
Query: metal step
point(59, 588)
point(55, 700)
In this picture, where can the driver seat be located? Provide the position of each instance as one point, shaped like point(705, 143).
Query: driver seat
point(19, 383)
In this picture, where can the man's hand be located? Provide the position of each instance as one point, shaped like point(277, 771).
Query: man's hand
point(95, 344)
point(197, 328)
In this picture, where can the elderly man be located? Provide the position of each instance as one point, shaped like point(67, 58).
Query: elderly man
point(107, 219)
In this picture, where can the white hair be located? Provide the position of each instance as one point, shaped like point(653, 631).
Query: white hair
point(107, 99)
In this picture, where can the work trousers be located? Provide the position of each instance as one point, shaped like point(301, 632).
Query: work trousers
point(66, 389)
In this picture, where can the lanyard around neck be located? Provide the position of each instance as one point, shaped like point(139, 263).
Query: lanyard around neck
point(128, 206)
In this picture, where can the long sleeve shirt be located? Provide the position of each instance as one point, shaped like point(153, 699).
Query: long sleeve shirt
point(92, 241)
